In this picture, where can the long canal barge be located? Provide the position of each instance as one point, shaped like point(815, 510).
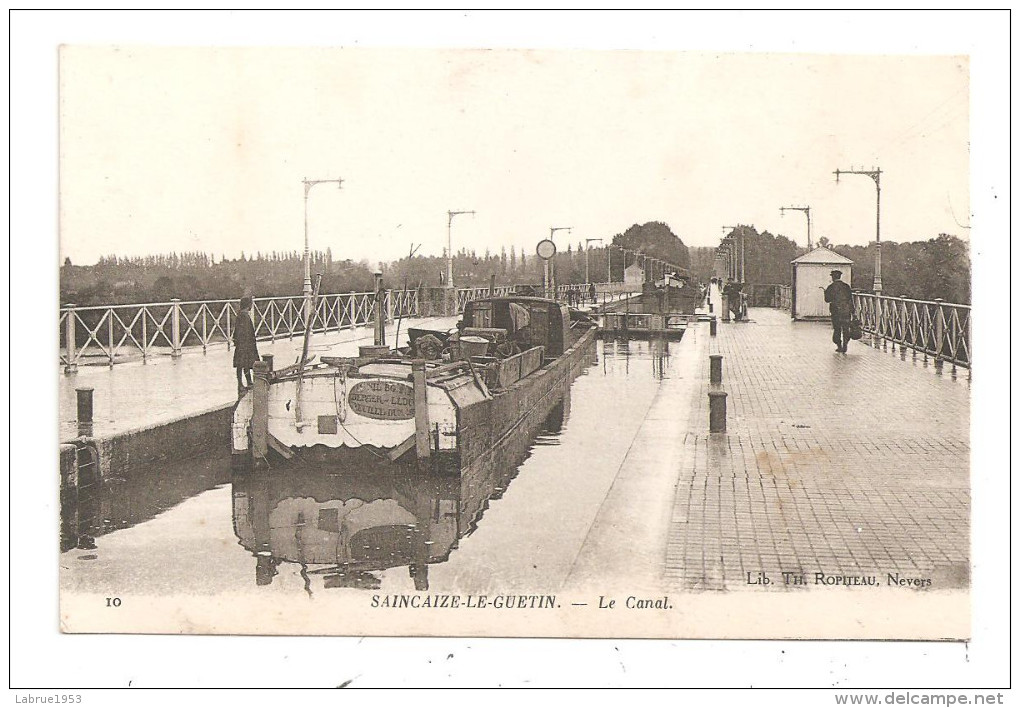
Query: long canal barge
point(449, 395)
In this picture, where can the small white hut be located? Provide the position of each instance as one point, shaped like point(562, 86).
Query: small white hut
point(811, 275)
point(634, 275)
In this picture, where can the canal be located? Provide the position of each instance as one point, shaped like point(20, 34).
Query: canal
point(517, 526)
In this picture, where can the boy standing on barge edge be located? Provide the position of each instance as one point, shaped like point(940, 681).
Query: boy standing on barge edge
point(246, 352)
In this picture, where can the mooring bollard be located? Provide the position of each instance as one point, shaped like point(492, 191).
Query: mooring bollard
point(715, 368)
point(713, 325)
point(725, 308)
point(68, 466)
point(717, 411)
point(85, 425)
point(268, 359)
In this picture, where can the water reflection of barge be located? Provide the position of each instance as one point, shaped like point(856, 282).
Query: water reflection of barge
point(516, 356)
point(347, 524)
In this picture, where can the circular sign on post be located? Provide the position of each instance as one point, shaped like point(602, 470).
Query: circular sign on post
point(546, 249)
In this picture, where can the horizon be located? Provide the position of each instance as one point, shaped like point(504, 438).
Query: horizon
point(220, 257)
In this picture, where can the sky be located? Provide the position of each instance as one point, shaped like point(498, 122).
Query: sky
point(179, 149)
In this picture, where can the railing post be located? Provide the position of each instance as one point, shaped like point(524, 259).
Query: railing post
point(901, 326)
point(876, 314)
point(145, 334)
point(230, 337)
point(71, 341)
point(380, 326)
point(205, 336)
point(884, 320)
point(175, 327)
point(970, 354)
point(390, 307)
point(109, 332)
point(940, 332)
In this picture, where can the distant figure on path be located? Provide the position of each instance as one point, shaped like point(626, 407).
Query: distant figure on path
point(732, 293)
point(591, 293)
point(841, 307)
point(246, 353)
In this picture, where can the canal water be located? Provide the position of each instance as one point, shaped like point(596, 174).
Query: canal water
point(517, 525)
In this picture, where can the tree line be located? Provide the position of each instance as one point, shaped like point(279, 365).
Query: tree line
point(936, 268)
point(922, 270)
point(197, 275)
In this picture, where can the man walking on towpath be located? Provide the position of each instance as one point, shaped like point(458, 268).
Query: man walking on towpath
point(841, 307)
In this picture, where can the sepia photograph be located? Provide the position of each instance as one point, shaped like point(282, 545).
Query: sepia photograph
point(539, 341)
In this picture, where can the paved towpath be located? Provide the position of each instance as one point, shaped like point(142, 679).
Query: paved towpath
point(165, 389)
point(844, 464)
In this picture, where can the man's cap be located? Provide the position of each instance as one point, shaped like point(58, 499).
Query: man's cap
point(835, 272)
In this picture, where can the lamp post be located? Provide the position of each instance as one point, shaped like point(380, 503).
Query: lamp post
point(876, 175)
point(807, 213)
point(307, 288)
point(587, 241)
point(552, 232)
point(449, 244)
point(736, 255)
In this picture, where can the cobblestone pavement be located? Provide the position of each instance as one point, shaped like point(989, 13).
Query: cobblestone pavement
point(850, 464)
point(137, 395)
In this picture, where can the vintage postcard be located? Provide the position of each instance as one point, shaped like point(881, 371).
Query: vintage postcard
point(514, 343)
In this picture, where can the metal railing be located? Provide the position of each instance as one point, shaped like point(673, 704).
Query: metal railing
point(110, 334)
point(769, 295)
point(114, 333)
point(466, 295)
point(933, 328)
point(580, 293)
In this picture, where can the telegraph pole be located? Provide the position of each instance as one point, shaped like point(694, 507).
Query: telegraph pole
point(807, 212)
point(587, 241)
point(307, 288)
point(876, 175)
point(449, 244)
point(552, 271)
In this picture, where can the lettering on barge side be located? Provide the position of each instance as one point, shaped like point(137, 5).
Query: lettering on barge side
point(382, 400)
